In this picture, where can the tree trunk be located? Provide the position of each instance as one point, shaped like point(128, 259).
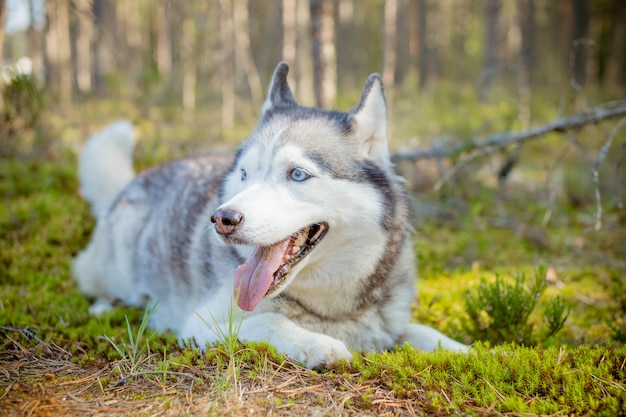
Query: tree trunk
point(188, 60)
point(227, 78)
point(244, 53)
point(3, 20)
point(324, 56)
point(346, 35)
point(403, 41)
point(84, 41)
point(580, 44)
point(303, 68)
point(526, 22)
point(58, 49)
point(163, 39)
point(492, 17)
point(134, 38)
point(289, 33)
point(422, 57)
point(389, 48)
point(105, 39)
point(492, 36)
point(389, 55)
point(35, 45)
point(617, 67)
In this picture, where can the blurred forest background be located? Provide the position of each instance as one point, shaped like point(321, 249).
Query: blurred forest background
point(201, 52)
point(192, 76)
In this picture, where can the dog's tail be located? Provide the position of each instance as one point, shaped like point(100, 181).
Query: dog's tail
point(105, 166)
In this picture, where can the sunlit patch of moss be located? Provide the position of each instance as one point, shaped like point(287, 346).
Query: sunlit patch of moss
point(476, 240)
point(506, 379)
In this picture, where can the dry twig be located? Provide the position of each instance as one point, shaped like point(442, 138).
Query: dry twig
point(500, 140)
point(596, 176)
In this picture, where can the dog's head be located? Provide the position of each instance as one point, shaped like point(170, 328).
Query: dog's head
point(306, 179)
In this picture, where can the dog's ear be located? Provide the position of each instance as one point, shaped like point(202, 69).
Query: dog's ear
point(279, 94)
point(369, 122)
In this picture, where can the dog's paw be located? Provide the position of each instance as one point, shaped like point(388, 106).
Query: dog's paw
point(319, 352)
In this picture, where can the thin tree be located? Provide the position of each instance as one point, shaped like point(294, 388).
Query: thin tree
point(226, 66)
point(389, 49)
point(421, 55)
point(526, 22)
point(289, 9)
point(188, 60)
point(162, 35)
point(492, 37)
point(324, 55)
point(3, 20)
point(84, 40)
point(58, 49)
point(241, 22)
point(105, 39)
point(304, 64)
point(580, 43)
point(35, 42)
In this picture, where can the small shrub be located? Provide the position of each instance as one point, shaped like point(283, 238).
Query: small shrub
point(23, 103)
point(500, 311)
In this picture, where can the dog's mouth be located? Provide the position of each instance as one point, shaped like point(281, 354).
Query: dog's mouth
point(267, 268)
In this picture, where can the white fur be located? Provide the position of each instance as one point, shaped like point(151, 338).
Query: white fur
point(104, 269)
point(371, 126)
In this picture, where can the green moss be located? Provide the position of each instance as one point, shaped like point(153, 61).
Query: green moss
point(508, 378)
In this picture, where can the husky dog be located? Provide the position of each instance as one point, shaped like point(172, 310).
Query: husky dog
point(311, 234)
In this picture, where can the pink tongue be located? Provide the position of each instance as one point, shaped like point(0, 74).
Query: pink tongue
point(254, 278)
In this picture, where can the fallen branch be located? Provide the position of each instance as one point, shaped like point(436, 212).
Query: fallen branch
point(499, 140)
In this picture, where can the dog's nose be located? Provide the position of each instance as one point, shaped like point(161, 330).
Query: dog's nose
point(227, 221)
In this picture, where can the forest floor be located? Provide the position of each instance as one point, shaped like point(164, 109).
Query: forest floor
point(55, 359)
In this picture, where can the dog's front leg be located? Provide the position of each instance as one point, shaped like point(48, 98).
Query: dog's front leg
point(313, 350)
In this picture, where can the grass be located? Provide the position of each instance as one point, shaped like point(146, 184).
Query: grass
point(229, 344)
point(138, 345)
point(55, 359)
point(508, 378)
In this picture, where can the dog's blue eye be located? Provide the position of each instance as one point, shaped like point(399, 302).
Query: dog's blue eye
point(297, 174)
point(244, 175)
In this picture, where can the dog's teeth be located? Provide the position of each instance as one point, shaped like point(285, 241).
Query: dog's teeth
point(295, 249)
point(301, 239)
